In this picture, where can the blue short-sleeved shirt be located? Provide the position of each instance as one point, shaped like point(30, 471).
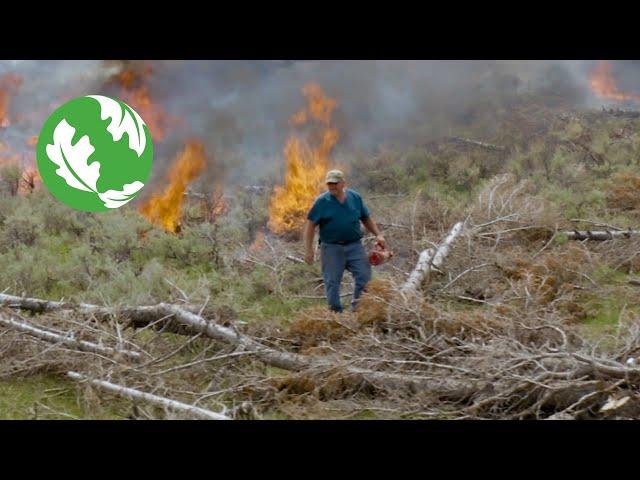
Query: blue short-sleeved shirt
point(339, 222)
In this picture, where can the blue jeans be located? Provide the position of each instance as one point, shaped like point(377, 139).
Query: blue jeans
point(335, 259)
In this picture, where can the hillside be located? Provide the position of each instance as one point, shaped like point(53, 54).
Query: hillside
point(208, 303)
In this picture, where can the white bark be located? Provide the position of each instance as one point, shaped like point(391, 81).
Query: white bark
point(600, 235)
point(476, 143)
point(180, 320)
point(285, 360)
point(431, 258)
point(133, 394)
point(39, 306)
point(67, 340)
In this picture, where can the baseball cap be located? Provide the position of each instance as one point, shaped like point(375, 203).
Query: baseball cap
point(334, 176)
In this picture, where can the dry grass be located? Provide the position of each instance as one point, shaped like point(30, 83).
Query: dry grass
point(495, 334)
point(624, 194)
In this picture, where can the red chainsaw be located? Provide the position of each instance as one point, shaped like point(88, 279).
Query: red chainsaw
point(379, 254)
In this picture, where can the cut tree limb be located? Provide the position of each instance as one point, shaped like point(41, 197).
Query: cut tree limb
point(67, 340)
point(600, 235)
point(177, 319)
point(167, 315)
point(476, 143)
point(133, 394)
point(430, 259)
point(37, 305)
point(276, 358)
point(295, 259)
point(597, 224)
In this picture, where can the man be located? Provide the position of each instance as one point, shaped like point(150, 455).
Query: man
point(339, 212)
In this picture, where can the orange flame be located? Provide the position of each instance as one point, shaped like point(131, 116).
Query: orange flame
point(307, 163)
point(134, 91)
point(258, 243)
point(21, 176)
point(604, 85)
point(8, 156)
point(30, 180)
point(166, 209)
point(219, 206)
point(9, 84)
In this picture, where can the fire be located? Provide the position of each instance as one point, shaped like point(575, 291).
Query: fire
point(219, 206)
point(166, 209)
point(258, 243)
point(9, 84)
point(19, 172)
point(307, 163)
point(604, 85)
point(30, 180)
point(134, 91)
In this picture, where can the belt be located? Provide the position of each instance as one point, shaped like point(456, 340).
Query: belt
point(342, 242)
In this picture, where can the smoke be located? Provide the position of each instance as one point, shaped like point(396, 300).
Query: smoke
point(241, 109)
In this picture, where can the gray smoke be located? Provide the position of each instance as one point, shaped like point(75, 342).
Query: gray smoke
point(241, 109)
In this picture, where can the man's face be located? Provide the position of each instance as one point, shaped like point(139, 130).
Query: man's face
point(335, 188)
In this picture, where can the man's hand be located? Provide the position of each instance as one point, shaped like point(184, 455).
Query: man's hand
point(308, 257)
point(373, 228)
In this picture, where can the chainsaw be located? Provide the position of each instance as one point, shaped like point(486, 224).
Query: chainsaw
point(379, 254)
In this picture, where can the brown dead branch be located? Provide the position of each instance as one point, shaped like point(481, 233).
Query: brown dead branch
point(475, 143)
point(188, 322)
point(600, 235)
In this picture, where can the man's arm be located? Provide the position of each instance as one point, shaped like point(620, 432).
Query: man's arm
point(370, 225)
point(309, 233)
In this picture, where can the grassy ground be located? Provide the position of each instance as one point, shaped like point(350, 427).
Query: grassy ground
point(47, 397)
point(117, 258)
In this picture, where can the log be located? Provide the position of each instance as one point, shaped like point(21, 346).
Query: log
point(430, 259)
point(139, 317)
point(600, 235)
point(621, 113)
point(393, 225)
point(67, 340)
point(184, 321)
point(133, 394)
point(142, 316)
point(295, 259)
point(37, 305)
point(271, 356)
point(476, 143)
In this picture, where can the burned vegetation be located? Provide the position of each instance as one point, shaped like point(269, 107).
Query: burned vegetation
point(513, 292)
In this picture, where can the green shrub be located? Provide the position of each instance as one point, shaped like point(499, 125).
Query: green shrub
point(21, 227)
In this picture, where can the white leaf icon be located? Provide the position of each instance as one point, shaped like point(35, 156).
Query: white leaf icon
point(123, 120)
point(115, 198)
point(72, 160)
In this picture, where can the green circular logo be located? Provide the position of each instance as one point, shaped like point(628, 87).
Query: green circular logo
point(94, 153)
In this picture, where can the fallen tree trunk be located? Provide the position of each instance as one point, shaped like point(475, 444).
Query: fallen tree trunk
point(163, 314)
point(295, 259)
point(67, 340)
point(600, 235)
point(139, 317)
point(570, 377)
point(40, 306)
point(476, 143)
point(276, 358)
point(429, 259)
point(183, 321)
point(133, 394)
